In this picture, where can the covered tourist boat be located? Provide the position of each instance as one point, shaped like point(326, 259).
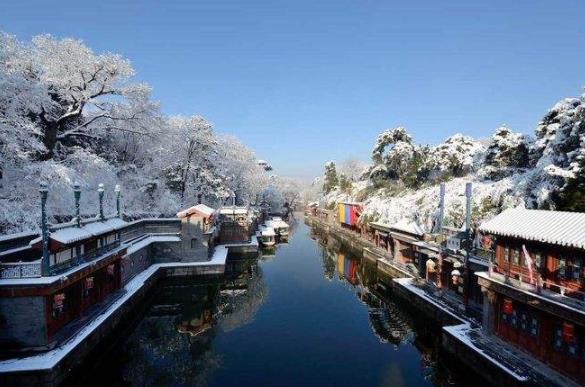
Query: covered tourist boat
point(280, 227)
point(266, 236)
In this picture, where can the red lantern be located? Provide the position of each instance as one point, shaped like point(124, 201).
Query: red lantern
point(58, 300)
point(568, 332)
point(508, 306)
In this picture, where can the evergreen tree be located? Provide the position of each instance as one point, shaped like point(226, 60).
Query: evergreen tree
point(330, 180)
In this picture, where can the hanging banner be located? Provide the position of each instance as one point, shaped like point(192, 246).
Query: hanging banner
point(529, 263)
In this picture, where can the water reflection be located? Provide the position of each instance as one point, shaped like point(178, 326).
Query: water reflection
point(389, 322)
point(327, 322)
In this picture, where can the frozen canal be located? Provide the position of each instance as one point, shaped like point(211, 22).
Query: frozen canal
point(307, 315)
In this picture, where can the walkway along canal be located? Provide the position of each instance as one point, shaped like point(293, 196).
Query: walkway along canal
point(309, 313)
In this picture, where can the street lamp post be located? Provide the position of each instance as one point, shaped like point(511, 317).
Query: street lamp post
point(118, 192)
point(44, 229)
point(101, 196)
point(77, 194)
point(467, 276)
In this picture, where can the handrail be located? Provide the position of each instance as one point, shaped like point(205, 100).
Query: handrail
point(538, 284)
point(20, 269)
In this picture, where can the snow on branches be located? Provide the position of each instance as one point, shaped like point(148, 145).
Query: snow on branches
point(68, 114)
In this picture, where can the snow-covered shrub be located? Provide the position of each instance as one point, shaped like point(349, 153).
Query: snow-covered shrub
point(456, 157)
point(558, 155)
point(394, 150)
point(506, 152)
point(330, 179)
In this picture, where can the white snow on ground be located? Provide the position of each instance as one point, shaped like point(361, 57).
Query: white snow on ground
point(408, 284)
point(489, 197)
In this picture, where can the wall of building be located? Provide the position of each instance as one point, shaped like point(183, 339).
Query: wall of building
point(22, 322)
point(540, 334)
point(134, 263)
point(163, 252)
point(195, 242)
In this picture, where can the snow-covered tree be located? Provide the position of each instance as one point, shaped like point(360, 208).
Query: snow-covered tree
point(330, 179)
point(558, 154)
point(91, 94)
point(239, 168)
point(394, 149)
point(507, 151)
point(69, 115)
point(189, 169)
point(456, 157)
point(353, 169)
point(20, 97)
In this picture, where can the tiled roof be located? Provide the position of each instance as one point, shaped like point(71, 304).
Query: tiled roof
point(555, 227)
point(380, 226)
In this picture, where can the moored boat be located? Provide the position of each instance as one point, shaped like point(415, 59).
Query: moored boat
point(281, 228)
point(266, 236)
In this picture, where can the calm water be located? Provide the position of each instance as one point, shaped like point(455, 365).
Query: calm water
point(309, 314)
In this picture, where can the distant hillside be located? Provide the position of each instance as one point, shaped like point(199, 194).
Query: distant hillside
point(546, 171)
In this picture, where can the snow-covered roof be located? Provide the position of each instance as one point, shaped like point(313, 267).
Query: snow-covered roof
point(277, 223)
point(408, 226)
point(97, 228)
point(555, 227)
point(72, 234)
point(200, 208)
point(380, 226)
point(233, 210)
point(267, 231)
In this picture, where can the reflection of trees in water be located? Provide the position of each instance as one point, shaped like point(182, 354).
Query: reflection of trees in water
point(158, 354)
point(173, 344)
point(389, 322)
point(328, 263)
point(241, 296)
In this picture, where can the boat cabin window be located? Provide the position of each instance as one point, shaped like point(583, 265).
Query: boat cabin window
point(62, 256)
point(194, 243)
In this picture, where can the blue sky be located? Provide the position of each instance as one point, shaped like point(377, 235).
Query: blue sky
point(305, 81)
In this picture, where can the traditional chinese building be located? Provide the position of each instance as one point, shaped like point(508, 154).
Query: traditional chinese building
point(534, 290)
point(381, 235)
point(235, 224)
point(404, 235)
point(71, 268)
point(197, 231)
